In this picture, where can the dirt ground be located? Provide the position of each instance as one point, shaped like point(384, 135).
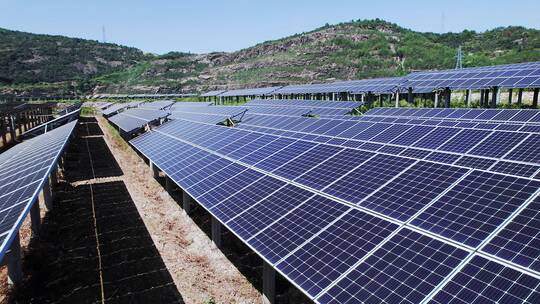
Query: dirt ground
point(201, 272)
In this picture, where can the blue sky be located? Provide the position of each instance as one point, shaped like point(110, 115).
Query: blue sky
point(213, 25)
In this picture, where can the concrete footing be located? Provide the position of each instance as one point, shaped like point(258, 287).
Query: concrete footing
point(269, 284)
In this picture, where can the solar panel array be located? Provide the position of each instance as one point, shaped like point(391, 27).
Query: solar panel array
point(136, 118)
point(295, 103)
point(117, 107)
point(23, 171)
point(157, 105)
point(376, 85)
point(368, 211)
point(520, 75)
point(250, 92)
point(508, 76)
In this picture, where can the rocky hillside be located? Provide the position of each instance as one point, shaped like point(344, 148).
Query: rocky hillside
point(352, 50)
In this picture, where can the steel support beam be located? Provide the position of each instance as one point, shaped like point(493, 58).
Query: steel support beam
point(186, 202)
point(535, 98)
point(216, 232)
point(35, 218)
point(520, 97)
point(46, 195)
point(269, 284)
point(510, 97)
point(154, 170)
point(13, 261)
point(494, 97)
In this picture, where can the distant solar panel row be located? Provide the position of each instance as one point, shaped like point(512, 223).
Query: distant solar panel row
point(295, 103)
point(157, 105)
point(520, 75)
point(250, 92)
point(23, 171)
point(113, 109)
point(134, 119)
point(308, 233)
point(493, 115)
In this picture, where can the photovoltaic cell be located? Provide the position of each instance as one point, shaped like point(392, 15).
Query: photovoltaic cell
point(404, 270)
point(293, 229)
point(515, 168)
point(519, 241)
point(363, 180)
point(485, 281)
point(476, 206)
point(288, 153)
point(413, 189)
point(327, 256)
point(475, 162)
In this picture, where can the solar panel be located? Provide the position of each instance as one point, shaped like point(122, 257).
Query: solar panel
point(24, 169)
point(295, 227)
point(476, 206)
point(366, 178)
point(485, 281)
point(134, 119)
point(335, 250)
point(405, 269)
point(519, 241)
point(411, 191)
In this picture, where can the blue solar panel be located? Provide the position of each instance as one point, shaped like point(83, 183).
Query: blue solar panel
point(415, 153)
point(465, 140)
point(527, 151)
point(333, 168)
point(436, 138)
point(246, 198)
point(413, 189)
point(214, 179)
point(228, 188)
point(363, 180)
point(485, 281)
point(476, 206)
point(391, 133)
point(475, 162)
point(372, 131)
point(35, 158)
point(284, 155)
point(335, 250)
point(498, 144)
point(515, 168)
point(404, 270)
point(267, 150)
point(519, 241)
point(445, 158)
point(283, 236)
point(268, 210)
point(307, 161)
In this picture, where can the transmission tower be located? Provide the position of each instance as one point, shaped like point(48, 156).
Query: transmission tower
point(459, 58)
point(103, 34)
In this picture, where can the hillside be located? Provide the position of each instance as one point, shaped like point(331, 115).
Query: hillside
point(358, 49)
point(30, 58)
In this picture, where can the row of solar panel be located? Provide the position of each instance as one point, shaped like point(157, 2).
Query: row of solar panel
point(522, 75)
point(136, 118)
point(493, 115)
point(23, 170)
point(295, 103)
point(500, 151)
point(325, 246)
